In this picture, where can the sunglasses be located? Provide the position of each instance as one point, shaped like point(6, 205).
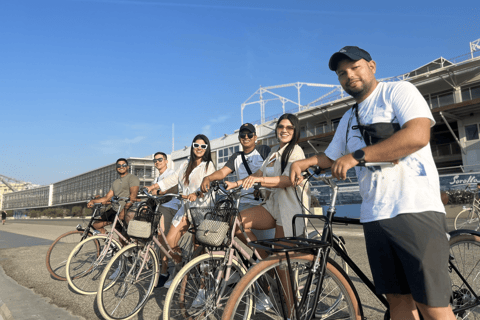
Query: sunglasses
point(243, 135)
point(122, 165)
point(288, 128)
point(159, 160)
point(197, 145)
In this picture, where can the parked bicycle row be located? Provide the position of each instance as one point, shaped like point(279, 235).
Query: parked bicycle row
point(418, 269)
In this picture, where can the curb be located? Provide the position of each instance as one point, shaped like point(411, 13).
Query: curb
point(5, 314)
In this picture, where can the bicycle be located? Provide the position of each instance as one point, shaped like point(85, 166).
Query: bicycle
point(130, 277)
point(59, 250)
point(87, 260)
point(202, 286)
point(469, 218)
point(317, 287)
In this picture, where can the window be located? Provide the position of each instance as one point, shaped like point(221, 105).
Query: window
point(335, 123)
point(303, 132)
point(445, 99)
point(470, 93)
point(224, 154)
point(475, 92)
point(471, 132)
point(466, 94)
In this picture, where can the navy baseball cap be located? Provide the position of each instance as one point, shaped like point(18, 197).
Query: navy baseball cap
point(350, 52)
point(247, 126)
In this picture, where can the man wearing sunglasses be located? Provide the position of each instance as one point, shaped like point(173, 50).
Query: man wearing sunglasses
point(253, 157)
point(125, 186)
point(168, 209)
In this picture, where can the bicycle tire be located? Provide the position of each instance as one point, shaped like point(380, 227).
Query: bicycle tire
point(467, 219)
point(465, 250)
point(200, 272)
point(58, 252)
point(343, 303)
point(83, 267)
point(123, 295)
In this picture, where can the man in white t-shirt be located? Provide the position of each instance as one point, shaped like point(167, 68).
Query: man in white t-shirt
point(168, 209)
point(402, 213)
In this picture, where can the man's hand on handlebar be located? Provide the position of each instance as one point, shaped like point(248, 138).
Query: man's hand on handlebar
point(342, 165)
point(230, 185)
point(205, 184)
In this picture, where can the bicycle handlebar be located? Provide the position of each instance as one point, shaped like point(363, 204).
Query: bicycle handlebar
point(160, 197)
point(315, 170)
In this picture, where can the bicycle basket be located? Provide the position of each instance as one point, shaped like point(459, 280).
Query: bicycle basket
point(212, 225)
point(144, 222)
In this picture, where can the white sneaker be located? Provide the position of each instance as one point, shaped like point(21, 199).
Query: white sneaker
point(169, 281)
point(262, 302)
point(199, 299)
point(115, 274)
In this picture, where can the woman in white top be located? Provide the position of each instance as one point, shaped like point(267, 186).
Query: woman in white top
point(189, 178)
point(282, 204)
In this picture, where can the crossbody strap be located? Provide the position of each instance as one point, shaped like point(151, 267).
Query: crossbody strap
point(245, 163)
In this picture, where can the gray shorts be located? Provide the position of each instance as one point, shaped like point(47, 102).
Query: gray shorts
point(408, 254)
point(167, 217)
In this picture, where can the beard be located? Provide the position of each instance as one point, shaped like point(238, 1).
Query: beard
point(359, 92)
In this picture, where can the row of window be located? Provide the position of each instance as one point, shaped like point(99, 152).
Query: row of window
point(446, 98)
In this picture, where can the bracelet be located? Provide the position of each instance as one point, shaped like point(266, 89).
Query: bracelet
point(236, 183)
point(197, 193)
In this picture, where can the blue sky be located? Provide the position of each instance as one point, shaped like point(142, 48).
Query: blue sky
point(84, 82)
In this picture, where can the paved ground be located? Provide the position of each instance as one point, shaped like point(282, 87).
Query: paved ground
point(23, 260)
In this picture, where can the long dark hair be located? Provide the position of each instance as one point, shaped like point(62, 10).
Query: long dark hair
point(296, 135)
point(207, 156)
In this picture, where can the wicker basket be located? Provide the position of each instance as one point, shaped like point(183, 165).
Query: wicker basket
point(144, 222)
point(212, 226)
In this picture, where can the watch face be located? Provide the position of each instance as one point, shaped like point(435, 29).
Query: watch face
point(359, 154)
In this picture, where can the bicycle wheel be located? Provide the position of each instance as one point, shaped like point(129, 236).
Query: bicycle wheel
point(87, 261)
point(58, 252)
point(125, 284)
point(465, 256)
point(467, 219)
point(259, 288)
point(195, 292)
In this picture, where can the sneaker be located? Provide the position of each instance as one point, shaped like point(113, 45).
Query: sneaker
point(169, 281)
point(262, 302)
point(115, 274)
point(162, 280)
point(199, 299)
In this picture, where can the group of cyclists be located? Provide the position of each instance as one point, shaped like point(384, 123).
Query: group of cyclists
point(269, 215)
point(403, 216)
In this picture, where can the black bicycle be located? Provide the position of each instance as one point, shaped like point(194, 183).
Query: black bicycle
point(304, 283)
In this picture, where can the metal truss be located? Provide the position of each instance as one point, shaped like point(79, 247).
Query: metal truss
point(474, 46)
point(20, 185)
point(265, 95)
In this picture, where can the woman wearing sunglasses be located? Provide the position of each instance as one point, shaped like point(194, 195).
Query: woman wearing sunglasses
point(189, 178)
point(282, 204)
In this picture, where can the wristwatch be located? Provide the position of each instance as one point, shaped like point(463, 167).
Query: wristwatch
point(359, 155)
